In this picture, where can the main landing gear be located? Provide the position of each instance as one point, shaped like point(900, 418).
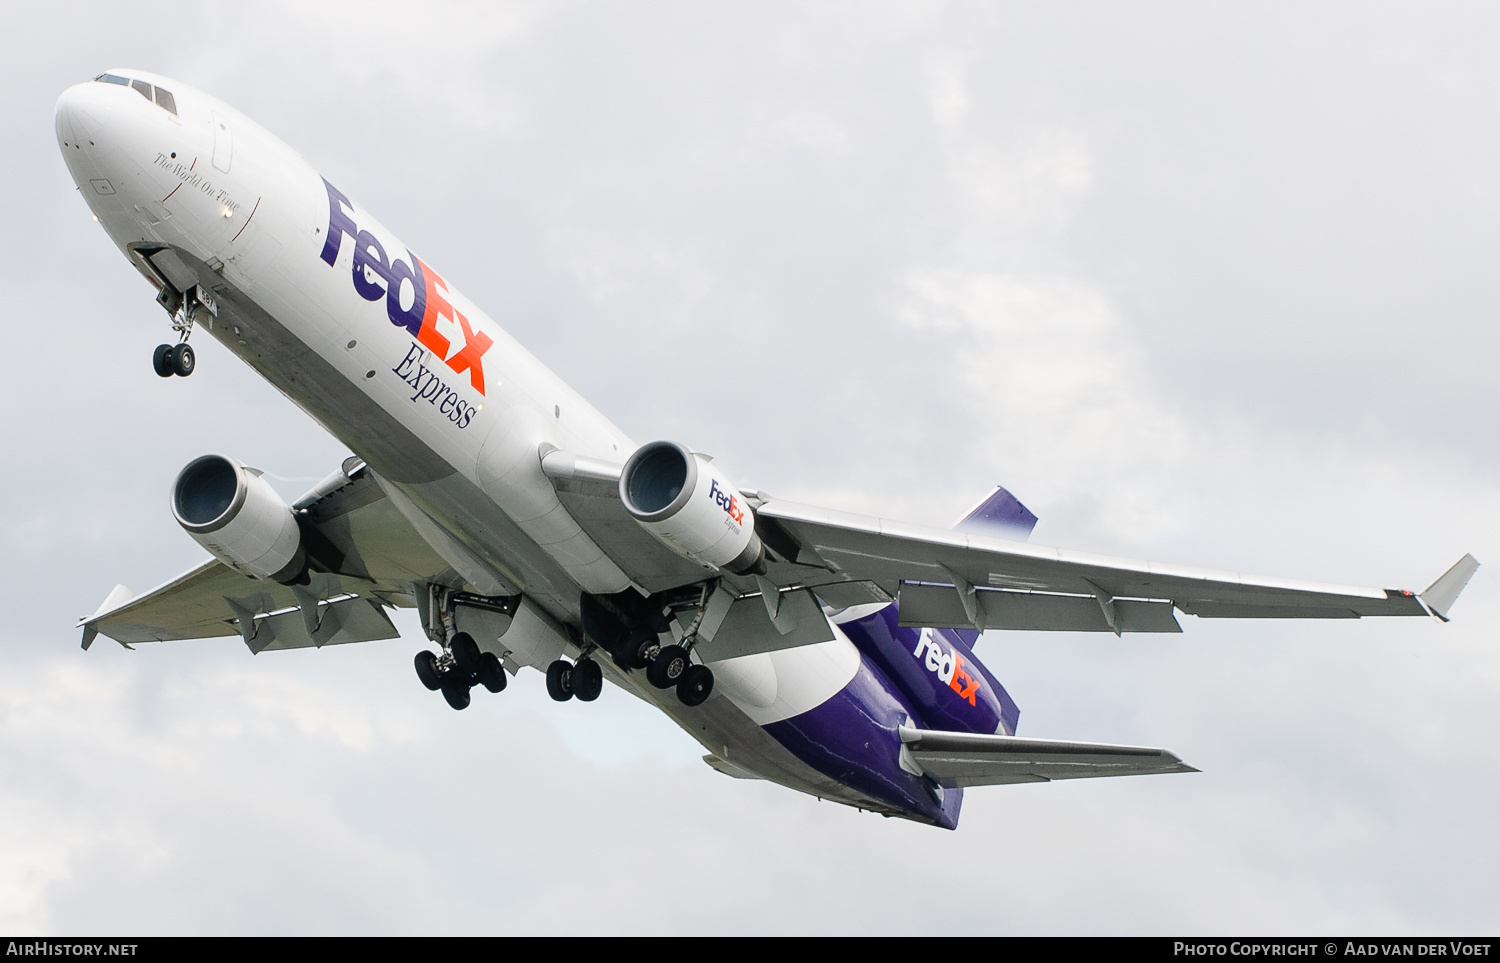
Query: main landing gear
point(630, 630)
point(460, 669)
point(461, 665)
point(583, 679)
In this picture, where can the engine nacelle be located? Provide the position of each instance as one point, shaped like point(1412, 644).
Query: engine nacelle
point(692, 507)
point(235, 514)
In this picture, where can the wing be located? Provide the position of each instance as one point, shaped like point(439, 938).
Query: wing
point(369, 553)
point(967, 759)
point(953, 579)
point(215, 600)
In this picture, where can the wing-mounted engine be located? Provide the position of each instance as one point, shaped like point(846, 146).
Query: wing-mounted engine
point(234, 513)
point(691, 507)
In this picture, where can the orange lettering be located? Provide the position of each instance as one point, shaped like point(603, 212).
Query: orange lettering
point(469, 359)
point(436, 305)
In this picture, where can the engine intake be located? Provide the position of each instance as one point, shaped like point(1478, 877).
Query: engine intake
point(235, 514)
point(692, 507)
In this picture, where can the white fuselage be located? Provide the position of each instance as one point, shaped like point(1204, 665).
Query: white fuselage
point(451, 414)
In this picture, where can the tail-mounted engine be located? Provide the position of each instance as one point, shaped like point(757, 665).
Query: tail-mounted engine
point(692, 507)
point(235, 514)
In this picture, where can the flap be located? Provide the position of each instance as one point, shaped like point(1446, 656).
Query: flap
point(748, 628)
point(940, 606)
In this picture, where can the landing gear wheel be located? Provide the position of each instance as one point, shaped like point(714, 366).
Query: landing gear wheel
point(667, 668)
point(491, 673)
point(466, 654)
point(427, 670)
point(560, 681)
point(588, 680)
point(161, 360)
point(456, 691)
point(632, 654)
point(183, 361)
point(696, 685)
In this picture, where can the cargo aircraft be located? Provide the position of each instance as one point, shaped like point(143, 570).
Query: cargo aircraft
point(829, 652)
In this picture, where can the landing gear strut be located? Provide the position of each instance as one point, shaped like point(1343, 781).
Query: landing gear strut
point(178, 359)
point(631, 630)
point(462, 664)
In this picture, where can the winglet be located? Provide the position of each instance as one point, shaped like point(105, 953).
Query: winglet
point(1441, 595)
point(117, 596)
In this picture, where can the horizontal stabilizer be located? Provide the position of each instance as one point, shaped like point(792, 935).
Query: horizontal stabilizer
point(1441, 595)
point(970, 759)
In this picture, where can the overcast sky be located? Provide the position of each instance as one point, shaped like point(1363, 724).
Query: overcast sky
point(1212, 284)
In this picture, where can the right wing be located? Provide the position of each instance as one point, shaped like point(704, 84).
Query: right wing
point(215, 600)
point(359, 534)
point(970, 759)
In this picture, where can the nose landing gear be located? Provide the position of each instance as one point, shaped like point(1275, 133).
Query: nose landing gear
point(168, 359)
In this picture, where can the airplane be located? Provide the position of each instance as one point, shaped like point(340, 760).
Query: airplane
point(829, 652)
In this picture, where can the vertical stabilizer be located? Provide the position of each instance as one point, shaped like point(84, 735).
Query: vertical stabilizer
point(1001, 515)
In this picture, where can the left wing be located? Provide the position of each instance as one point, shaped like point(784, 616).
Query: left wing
point(968, 759)
point(946, 578)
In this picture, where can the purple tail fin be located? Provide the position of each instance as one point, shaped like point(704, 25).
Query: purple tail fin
point(1001, 515)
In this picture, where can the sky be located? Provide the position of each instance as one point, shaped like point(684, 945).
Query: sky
point(1208, 284)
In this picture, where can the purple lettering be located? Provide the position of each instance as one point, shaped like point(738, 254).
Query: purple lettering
point(369, 253)
point(402, 276)
point(339, 223)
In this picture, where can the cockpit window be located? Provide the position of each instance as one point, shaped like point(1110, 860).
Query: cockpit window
point(164, 98)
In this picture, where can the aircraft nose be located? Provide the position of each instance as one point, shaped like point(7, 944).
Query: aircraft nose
point(79, 115)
